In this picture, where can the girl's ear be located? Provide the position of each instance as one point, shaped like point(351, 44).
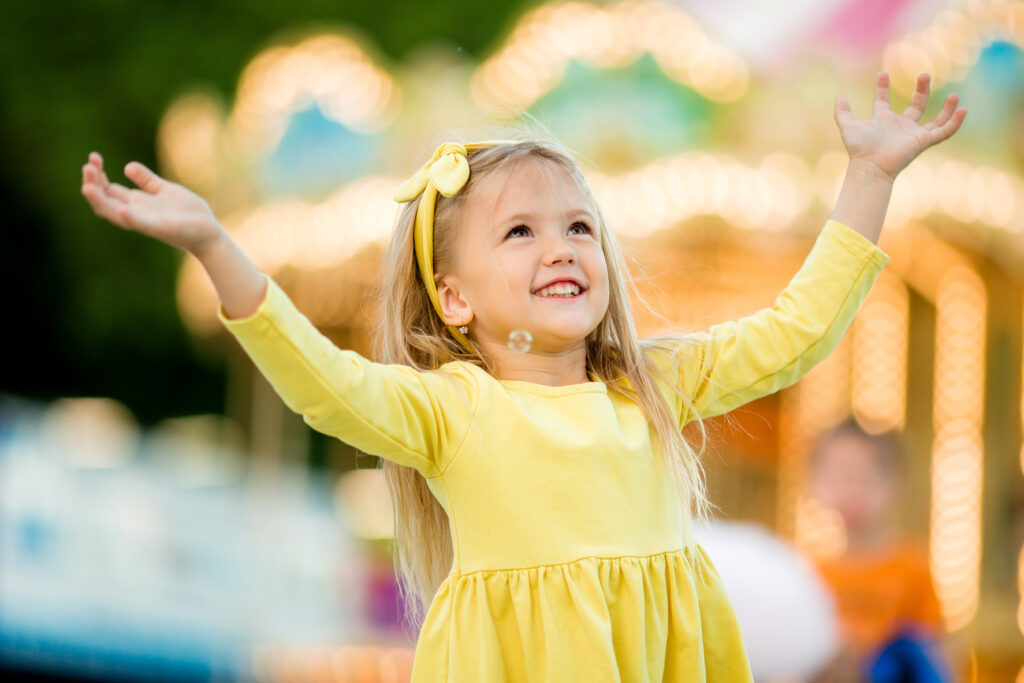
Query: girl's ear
point(454, 305)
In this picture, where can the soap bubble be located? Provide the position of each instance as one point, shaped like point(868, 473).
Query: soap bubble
point(520, 340)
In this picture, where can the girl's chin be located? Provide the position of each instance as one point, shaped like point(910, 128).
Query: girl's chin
point(561, 339)
point(564, 335)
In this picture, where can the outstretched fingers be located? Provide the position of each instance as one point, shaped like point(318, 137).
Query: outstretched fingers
point(950, 126)
point(146, 179)
point(92, 171)
point(93, 175)
point(843, 113)
point(108, 200)
point(947, 121)
point(919, 100)
point(882, 93)
point(95, 160)
point(945, 114)
point(103, 205)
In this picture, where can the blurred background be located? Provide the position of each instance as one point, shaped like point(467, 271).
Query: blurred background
point(164, 517)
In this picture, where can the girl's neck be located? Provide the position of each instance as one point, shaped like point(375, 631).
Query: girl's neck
point(555, 369)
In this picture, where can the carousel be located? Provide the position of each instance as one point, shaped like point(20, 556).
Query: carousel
point(715, 159)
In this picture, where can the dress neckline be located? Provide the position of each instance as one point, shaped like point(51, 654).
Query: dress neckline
point(594, 386)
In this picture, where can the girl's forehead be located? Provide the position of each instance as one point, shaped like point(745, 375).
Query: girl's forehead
point(530, 181)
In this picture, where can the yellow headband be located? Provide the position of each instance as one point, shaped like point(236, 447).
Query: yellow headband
point(447, 172)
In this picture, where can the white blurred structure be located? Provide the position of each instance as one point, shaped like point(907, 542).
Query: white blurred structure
point(156, 555)
point(785, 612)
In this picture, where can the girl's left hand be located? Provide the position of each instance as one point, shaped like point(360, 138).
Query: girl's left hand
point(888, 141)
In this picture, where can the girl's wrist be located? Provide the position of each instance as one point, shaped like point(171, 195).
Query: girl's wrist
point(863, 198)
point(212, 245)
point(869, 171)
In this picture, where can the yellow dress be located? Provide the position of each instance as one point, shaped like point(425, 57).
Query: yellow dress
point(573, 560)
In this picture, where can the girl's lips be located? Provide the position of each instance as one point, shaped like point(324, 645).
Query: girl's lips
point(561, 288)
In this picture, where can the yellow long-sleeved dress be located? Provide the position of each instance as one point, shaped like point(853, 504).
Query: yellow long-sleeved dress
point(572, 554)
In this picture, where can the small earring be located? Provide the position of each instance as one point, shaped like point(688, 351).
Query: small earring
point(463, 329)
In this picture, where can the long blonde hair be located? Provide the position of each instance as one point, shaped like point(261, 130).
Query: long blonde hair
point(411, 333)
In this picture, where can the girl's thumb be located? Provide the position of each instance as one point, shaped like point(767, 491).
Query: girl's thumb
point(143, 177)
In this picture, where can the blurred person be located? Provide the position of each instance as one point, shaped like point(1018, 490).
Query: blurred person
point(543, 491)
point(891, 623)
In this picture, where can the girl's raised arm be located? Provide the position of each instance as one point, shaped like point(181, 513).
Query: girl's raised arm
point(395, 412)
point(739, 361)
point(882, 146)
point(177, 216)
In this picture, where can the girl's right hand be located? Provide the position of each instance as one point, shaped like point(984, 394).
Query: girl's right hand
point(159, 208)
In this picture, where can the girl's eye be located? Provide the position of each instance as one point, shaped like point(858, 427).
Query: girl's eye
point(579, 228)
point(518, 231)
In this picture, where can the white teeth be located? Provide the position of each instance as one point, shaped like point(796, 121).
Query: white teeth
point(563, 289)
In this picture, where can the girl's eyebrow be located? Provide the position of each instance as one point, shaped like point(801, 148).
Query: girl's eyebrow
point(528, 217)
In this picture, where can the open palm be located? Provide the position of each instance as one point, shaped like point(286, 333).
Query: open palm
point(890, 141)
point(161, 209)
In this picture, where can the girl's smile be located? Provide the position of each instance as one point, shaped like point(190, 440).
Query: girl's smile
point(561, 289)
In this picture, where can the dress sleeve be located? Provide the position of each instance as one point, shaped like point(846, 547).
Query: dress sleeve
point(736, 362)
point(410, 417)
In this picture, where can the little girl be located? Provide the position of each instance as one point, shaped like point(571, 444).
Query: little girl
point(543, 491)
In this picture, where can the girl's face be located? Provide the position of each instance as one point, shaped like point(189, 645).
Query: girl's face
point(527, 258)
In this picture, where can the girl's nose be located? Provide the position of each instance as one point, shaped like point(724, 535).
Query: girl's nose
point(559, 250)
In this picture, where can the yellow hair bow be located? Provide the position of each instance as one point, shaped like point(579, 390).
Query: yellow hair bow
point(446, 172)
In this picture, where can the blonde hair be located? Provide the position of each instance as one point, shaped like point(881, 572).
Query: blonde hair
point(411, 333)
